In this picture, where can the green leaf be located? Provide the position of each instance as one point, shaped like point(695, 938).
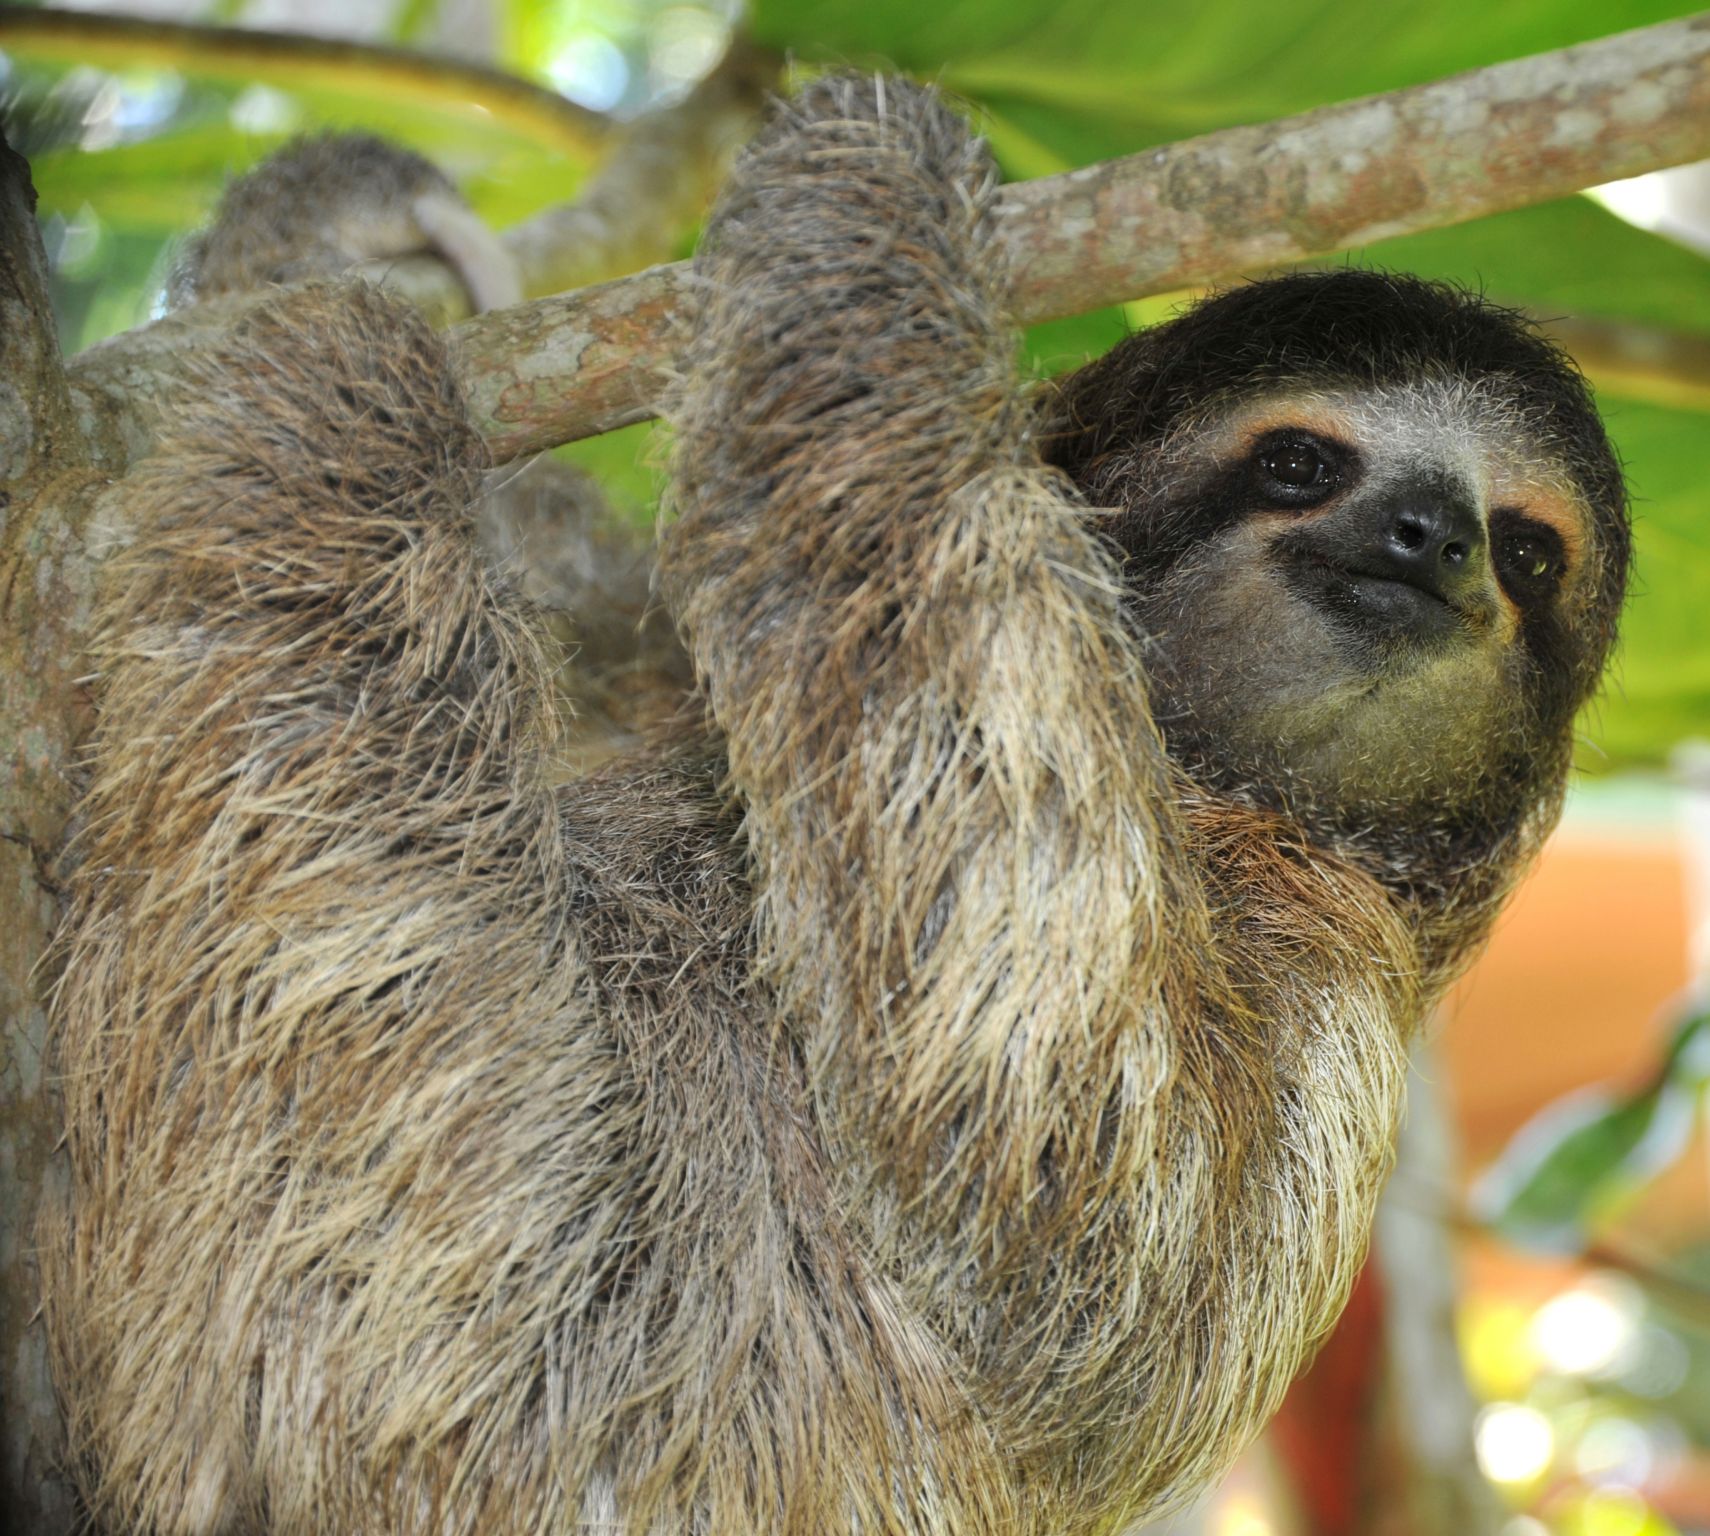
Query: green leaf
point(1568, 1169)
point(627, 464)
point(1126, 76)
point(1686, 1063)
point(1569, 257)
point(1580, 1160)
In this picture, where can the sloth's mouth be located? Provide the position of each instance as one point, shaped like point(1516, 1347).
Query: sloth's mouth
point(1373, 605)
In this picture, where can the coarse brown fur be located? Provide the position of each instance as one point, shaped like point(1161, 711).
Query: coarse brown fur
point(911, 1105)
point(549, 531)
point(325, 204)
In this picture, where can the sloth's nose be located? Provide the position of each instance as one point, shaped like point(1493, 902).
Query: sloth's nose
point(1433, 538)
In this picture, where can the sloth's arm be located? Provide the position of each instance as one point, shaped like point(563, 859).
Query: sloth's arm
point(317, 780)
point(955, 792)
point(1114, 1096)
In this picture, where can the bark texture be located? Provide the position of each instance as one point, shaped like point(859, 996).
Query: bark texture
point(46, 480)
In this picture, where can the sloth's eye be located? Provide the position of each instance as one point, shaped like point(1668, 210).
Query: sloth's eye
point(1296, 472)
point(1297, 465)
point(1530, 558)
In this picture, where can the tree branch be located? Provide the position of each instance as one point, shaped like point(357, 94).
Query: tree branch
point(1440, 1480)
point(1475, 144)
point(1640, 362)
point(574, 365)
point(1188, 213)
point(90, 38)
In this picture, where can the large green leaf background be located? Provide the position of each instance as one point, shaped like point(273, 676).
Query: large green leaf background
point(1061, 83)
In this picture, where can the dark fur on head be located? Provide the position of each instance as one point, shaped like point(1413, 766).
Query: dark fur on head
point(1360, 328)
point(1362, 331)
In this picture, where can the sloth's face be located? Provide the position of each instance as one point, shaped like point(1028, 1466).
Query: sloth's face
point(1355, 597)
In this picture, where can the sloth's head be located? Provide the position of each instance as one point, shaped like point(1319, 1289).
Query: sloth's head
point(1375, 539)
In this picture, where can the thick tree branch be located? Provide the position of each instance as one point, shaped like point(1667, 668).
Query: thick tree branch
point(292, 59)
point(570, 366)
point(1475, 144)
point(1188, 213)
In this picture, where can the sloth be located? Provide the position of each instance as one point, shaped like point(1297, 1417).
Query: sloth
point(940, 1083)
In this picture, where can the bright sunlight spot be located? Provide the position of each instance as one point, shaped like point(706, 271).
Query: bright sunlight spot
point(1585, 1331)
point(1515, 1443)
point(1242, 1515)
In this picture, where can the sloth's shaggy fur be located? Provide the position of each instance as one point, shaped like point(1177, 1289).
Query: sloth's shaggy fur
point(548, 529)
point(909, 1105)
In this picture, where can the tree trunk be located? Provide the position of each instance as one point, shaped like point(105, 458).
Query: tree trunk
point(47, 486)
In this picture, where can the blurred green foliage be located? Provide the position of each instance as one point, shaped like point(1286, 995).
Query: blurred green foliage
point(1572, 1170)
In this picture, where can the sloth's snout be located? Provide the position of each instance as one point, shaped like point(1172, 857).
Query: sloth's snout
point(1430, 537)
